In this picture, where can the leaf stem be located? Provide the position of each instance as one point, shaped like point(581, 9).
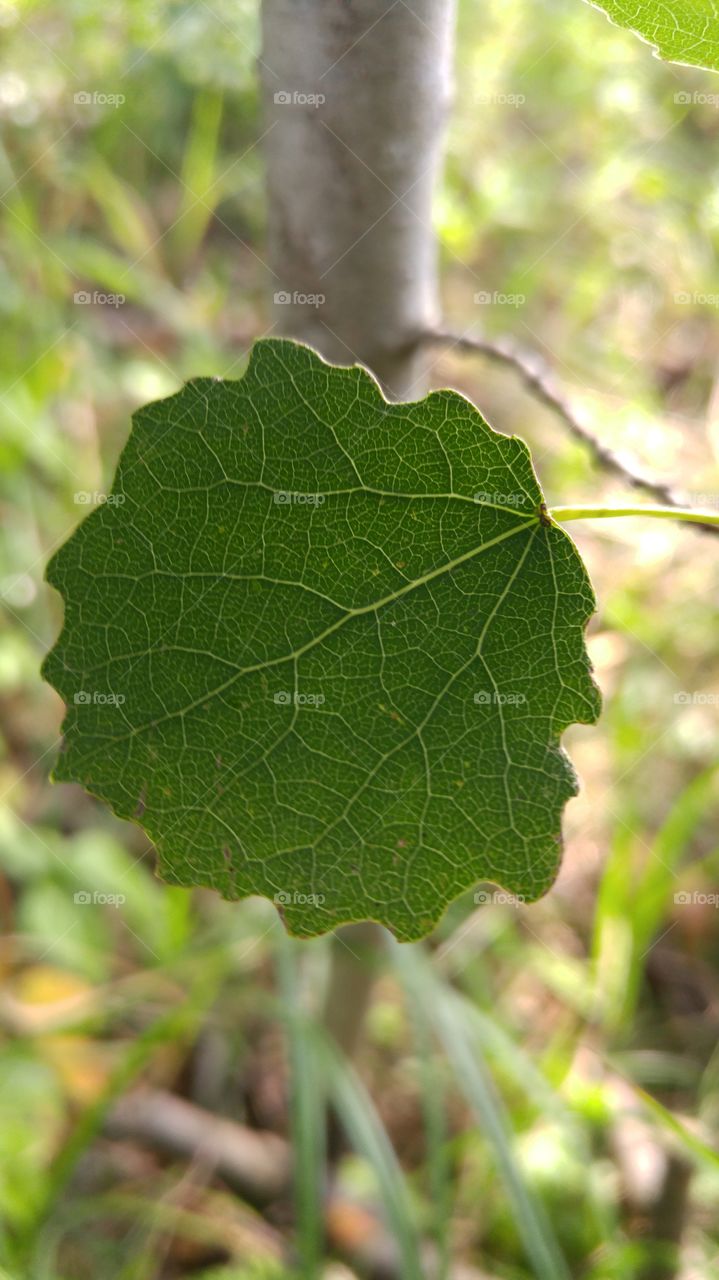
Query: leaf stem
point(659, 513)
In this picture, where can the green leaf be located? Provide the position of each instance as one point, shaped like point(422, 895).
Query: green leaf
point(679, 30)
point(323, 647)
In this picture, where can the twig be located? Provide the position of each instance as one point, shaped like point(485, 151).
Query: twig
point(255, 1164)
point(538, 383)
point(259, 1166)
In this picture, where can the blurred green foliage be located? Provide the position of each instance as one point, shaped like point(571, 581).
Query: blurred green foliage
point(581, 179)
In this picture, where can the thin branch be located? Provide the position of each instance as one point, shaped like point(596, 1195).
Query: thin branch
point(259, 1167)
point(539, 384)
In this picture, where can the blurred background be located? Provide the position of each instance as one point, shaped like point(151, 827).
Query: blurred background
point(536, 1089)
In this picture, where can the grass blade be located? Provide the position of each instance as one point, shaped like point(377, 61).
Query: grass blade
point(369, 1138)
point(307, 1111)
point(446, 1011)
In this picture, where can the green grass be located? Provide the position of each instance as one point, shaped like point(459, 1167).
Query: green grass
point(499, 1065)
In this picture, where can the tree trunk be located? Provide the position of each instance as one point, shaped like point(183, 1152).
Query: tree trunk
point(356, 92)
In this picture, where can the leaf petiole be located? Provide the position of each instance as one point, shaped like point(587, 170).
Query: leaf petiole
point(561, 514)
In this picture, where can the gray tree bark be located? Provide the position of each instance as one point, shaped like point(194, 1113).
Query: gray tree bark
point(356, 93)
